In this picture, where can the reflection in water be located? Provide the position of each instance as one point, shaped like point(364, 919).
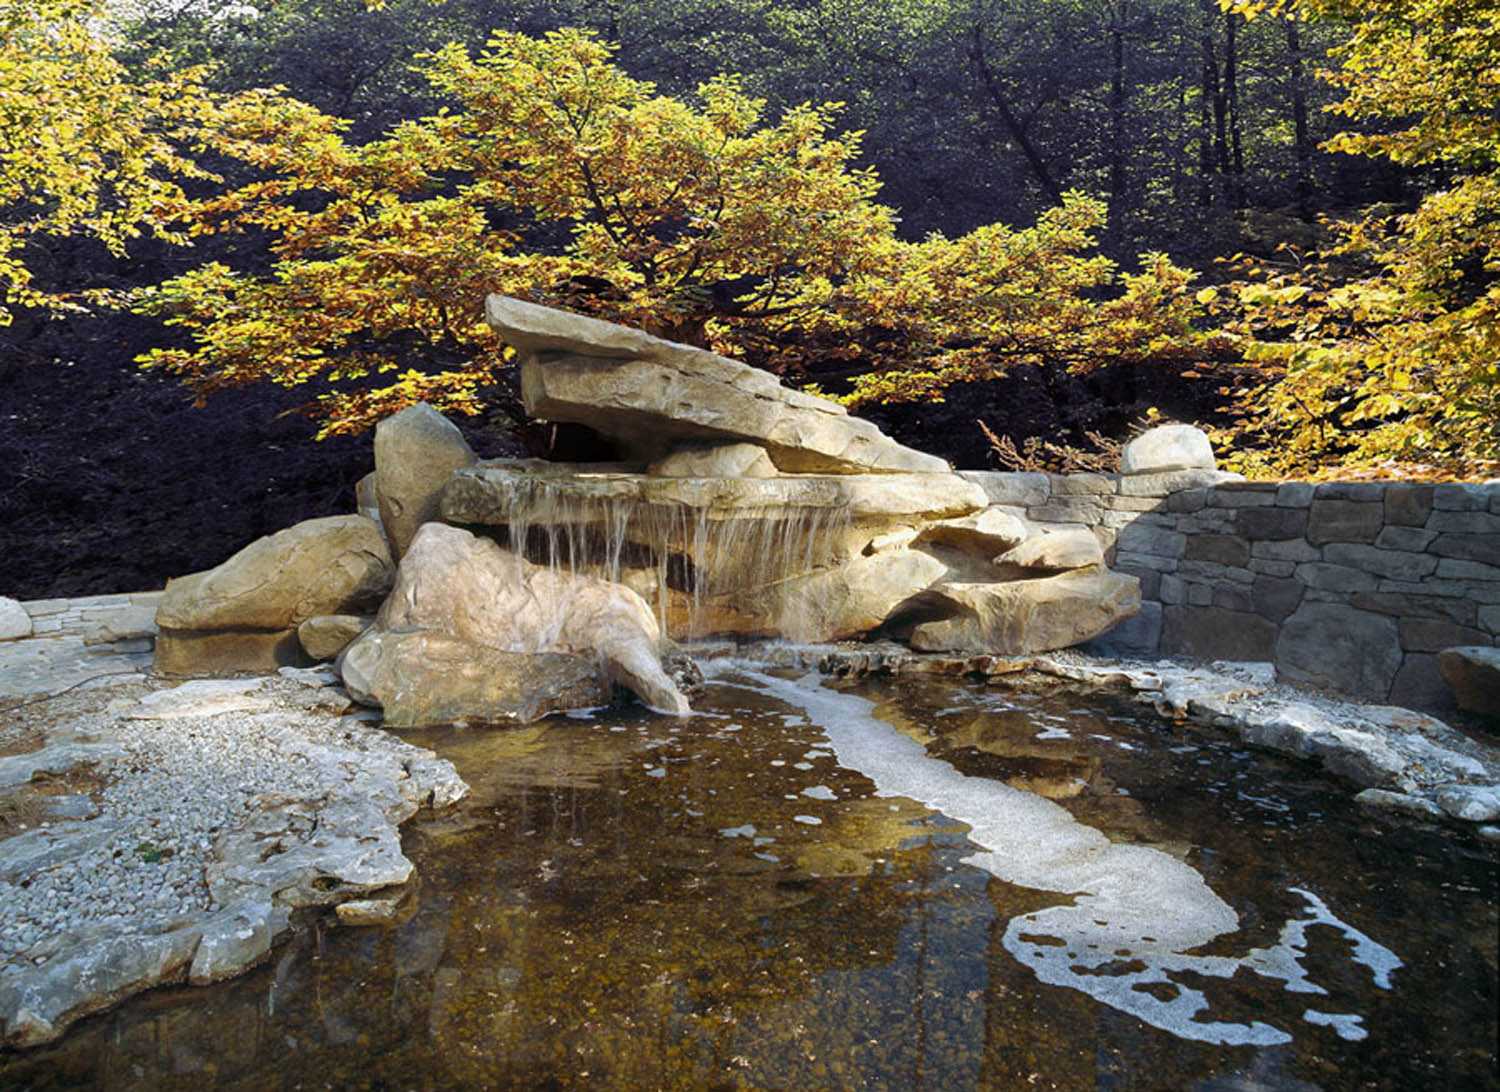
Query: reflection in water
point(1138, 914)
point(633, 902)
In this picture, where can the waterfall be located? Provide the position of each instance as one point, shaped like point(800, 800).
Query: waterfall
point(689, 558)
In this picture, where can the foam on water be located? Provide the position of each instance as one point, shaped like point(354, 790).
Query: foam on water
point(1126, 898)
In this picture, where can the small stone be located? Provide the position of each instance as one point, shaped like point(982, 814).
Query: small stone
point(15, 623)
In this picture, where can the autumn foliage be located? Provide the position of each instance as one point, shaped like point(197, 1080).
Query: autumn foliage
point(559, 178)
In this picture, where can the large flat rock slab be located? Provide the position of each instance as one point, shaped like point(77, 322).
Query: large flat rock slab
point(492, 493)
point(649, 393)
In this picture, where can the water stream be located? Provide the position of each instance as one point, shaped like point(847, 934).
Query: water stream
point(669, 551)
point(897, 884)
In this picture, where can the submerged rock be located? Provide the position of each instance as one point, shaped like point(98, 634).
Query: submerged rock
point(243, 614)
point(462, 629)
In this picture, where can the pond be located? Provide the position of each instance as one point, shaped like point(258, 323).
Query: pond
point(898, 884)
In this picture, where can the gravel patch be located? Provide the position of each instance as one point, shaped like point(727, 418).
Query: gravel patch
point(224, 805)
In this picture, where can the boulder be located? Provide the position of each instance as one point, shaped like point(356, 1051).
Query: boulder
point(476, 596)
point(851, 599)
point(650, 393)
point(1023, 616)
point(1057, 550)
point(418, 678)
point(416, 452)
point(984, 533)
point(1168, 447)
point(243, 614)
point(715, 461)
point(15, 623)
point(323, 637)
point(1473, 673)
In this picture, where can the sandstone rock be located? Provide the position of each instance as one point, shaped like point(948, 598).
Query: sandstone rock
point(648, 392)
point(1055, 550)
point(229, 652)
point(242, 615)
point(419, 678)
point(851, 599)
point(1338, 647)
point(15, 623)
point(1018, 488)
point(323, 637)
point(320, 566)
point(1473, 672)
point(416, 452)
point(367, 497)
point(1168, 447)
point(466, 593)
point(715, 461)
point(983, 533)
point(1025, 615)
point(491, 494)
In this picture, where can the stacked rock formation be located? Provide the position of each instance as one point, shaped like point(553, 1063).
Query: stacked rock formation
point(742, 508)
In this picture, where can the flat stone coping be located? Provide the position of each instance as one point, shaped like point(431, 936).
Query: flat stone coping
point(492, 491)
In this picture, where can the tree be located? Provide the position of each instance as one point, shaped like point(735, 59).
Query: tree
point(1384, 349)
point(562, 179)
point(86, 149)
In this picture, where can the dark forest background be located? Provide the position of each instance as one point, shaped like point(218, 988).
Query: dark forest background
point(1200, 128)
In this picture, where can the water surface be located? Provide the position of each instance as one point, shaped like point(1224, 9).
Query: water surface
point(894, 884)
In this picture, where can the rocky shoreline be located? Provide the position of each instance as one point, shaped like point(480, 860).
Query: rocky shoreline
point(1398, 759)
point(167, 834)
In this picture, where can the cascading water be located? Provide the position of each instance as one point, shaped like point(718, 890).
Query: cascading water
point(684, 559)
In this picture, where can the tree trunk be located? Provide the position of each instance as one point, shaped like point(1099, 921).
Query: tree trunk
point(1118, 179)
point(1299, 120)
point(1232, 104)
point(1207, 106)
point(1008, 118)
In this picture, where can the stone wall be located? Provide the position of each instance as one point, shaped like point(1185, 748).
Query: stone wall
point(1348, 586)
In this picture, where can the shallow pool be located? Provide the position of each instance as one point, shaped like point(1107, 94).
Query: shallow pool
point(897, 884)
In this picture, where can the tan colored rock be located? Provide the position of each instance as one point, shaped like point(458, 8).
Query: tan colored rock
point(649, 392)
point(457, 586)
point(715, 461)
point(1024, 616)
point(1473, 674)
point(319, 566)
point(1070, 548)
point(986, 533)
point(323, 637)
point(852, 599)
point(416, 452)
point(243, 614)
point(492, 493)
point(367, 497)
point(227, 652)
point(420, 678)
